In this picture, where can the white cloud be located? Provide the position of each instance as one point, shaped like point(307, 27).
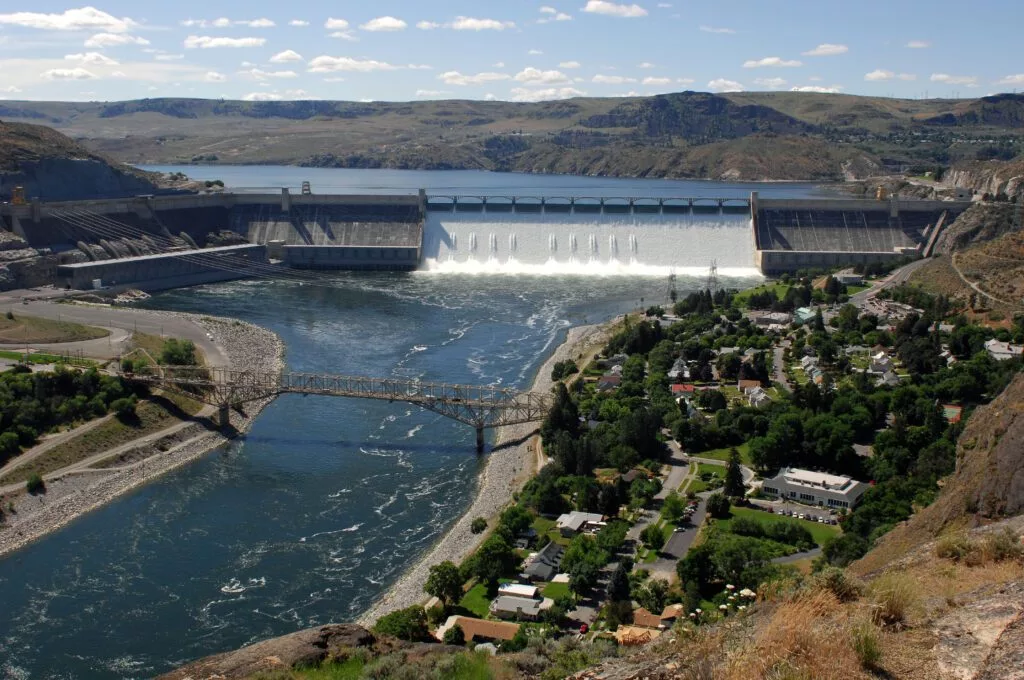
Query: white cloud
point(384, 24)
point(260, 74)
point(256, 23)
point(835, 89)
point(522, 94)
point(427, 25)
point(664, 5)
point(685, 81)
point(771, 61)
point(645, 64)
point(169, 57)
point(11, 90)
point(918, 44)
point(569, 64)
point(333, 24)
point(430, 93)
point(1016, 79)
point(456, 78)
point(285, 57)
point(969, 81)
point(712, 29)
point(500, 64)
point(614, 10)
point(826, 50)
point(222, 22)
point(82, 19)
point(533, 76)
point(261, 97)
point(206, 42)
point(214, 77)
point(611, 80)
point(101, 40)
point(535, 53)
point(650, 80)
point(93, 58)
point(471, 24)
point(882, 75)
point(724, 85)
point(489, 97)
point(68, 74)
point(552, 15)
point(345, 35)
point(326, 64)
point(770, 83)
point(334, 79)
point(298, 22)
point(420, 67)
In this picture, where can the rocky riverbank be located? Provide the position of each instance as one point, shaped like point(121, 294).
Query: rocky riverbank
point(77, 491)
point(513, 461)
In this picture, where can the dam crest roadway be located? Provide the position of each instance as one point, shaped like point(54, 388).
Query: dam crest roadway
point(480, 406)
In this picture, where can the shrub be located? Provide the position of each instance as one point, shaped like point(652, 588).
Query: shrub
point(955, 547)
point(837, 582)
point(718, 506)
point(35, 484)
point(894, 597)
point(865, 643)
point(125, 407)
point(10, 315)
point(478, 526)
point(455, 636)
point(1002, 545)
point(437, 614)
point(653, 537)
point(405, 624)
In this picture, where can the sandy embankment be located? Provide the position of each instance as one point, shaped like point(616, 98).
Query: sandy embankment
point(75, 493)
point(506, 470)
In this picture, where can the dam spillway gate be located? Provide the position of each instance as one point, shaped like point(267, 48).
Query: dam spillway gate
point(477, 405)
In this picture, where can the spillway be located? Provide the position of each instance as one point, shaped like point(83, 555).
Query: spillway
point(599, 244)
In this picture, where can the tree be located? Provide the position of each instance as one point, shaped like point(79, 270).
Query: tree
point(652, 596)
point(718, 506)
point(178, 353)
point(405, 624)
point(674, 507)
point(494, 559)
point(618, 585)
point(35, 484)
point(124, 407)
point(444, 582)
point(515, 520)
point(734, 476)
point(653, 537)
point(478, 526)
point(844, 549)
point(454, 636)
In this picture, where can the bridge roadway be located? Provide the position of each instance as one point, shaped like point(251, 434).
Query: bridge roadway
point(476, 405)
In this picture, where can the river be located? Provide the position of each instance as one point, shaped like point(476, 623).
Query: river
point(312, 515)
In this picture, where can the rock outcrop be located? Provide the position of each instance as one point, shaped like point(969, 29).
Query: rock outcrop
point(989, 177)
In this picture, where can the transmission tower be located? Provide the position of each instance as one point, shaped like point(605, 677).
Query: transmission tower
point(671, 294)
point(713, 277)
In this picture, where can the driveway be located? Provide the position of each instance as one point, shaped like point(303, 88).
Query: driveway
point(779, 369)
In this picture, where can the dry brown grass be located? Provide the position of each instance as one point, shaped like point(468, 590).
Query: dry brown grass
point(32, 330)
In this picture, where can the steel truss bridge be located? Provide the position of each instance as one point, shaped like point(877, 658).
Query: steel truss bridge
point(479, 406)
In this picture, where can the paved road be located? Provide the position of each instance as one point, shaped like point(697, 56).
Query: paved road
point(796, 557)
point(779, 369)
point(146, 321)
point(748, 474)
point(894, 279)
point(100, 348)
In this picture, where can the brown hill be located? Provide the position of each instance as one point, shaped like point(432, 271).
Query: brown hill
point(52, 166)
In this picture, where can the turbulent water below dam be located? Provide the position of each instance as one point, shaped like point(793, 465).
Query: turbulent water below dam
point(311, 516)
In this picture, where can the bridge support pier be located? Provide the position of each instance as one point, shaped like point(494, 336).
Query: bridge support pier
point(224, 416)
point(479, 439)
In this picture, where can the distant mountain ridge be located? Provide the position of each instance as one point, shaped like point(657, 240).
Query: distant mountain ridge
point(744, 136)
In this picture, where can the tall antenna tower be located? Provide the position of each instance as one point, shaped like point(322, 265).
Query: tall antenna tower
point(671, 293)
point(713, 277)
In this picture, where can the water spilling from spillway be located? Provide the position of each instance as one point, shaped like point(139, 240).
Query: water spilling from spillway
point(634, 245)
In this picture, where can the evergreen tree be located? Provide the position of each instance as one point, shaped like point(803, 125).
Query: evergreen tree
point(618, 585)
point(734, 476)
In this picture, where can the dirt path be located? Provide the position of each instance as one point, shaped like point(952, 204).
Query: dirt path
point(974, 286)
point(49, 443)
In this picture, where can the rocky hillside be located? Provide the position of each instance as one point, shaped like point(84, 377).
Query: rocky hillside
point(989, 177)
point(749, 136)
point(980, 223)
point(53, 167)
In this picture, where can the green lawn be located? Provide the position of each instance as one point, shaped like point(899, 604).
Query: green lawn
point(820, 532)
point(853, 290)
point(475, 600)
point(555, 590)
point(43, 358)
point(546, 527)
point(780, 291)
point(723, 454)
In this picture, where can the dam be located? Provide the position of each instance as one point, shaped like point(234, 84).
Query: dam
point(160, 242)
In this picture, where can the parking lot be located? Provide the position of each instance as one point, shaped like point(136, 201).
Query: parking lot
point(810, 513)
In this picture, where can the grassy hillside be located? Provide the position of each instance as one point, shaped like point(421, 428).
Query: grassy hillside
point(687, 134)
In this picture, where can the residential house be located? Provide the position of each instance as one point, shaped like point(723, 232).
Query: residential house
point(804, 315)
point(671, 614)
point(768, 319)
point(682, 390)
point(574, 522)
point(608, 382)
point(815, 488)
point(758, 398)
point(952, 412)
point(519, 590)
point(478, 630)
point(679, 370)
point(746, 385)
point(817, 375)
point(634, 636)
point(1003, 351)
point(889, 379)
point(645, 619)
point(848, 278)
point(543, 565)
point(809, 362)
point(521, 608)
point(881, 363)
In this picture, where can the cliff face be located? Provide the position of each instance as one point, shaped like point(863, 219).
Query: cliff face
point(991, 177)
point(53, 167)
point(981, 222)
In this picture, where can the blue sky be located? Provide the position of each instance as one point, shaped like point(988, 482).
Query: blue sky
point(400, 50)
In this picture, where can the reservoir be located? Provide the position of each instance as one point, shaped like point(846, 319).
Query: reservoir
point(308, 518)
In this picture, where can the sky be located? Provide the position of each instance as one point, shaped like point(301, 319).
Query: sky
point(516, 50)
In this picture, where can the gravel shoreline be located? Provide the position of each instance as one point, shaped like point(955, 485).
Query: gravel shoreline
point(76, 493)
point(507, 468)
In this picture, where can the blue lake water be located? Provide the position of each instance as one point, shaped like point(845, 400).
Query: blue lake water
point(309, 517)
